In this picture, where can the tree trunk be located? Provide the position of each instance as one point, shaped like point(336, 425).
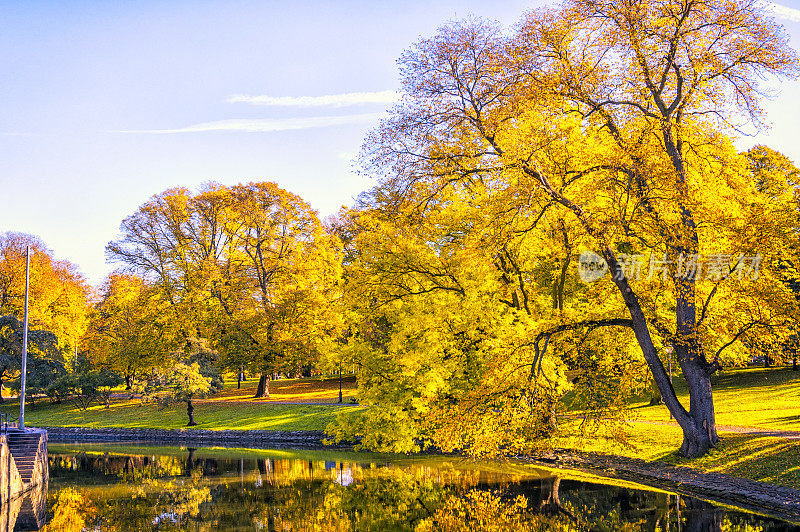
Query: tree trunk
point(3, 400)
point(128, 381)
point(702, 516)
point(698, 424)
point(190, 413)
point(794, 368)
point(700, 432)
point(190, 461)
point(263, 386)
point(655, 395)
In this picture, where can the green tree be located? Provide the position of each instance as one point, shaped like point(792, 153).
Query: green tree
point(42, 372)
point(44, 364)
point(90, 383)
point(185, 383)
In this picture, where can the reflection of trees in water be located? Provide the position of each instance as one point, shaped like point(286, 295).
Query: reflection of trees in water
point(167, 492)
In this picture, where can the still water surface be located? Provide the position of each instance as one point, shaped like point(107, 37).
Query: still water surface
point(115, 487)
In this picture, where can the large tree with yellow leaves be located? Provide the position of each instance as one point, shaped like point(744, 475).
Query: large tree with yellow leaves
point(597, 126)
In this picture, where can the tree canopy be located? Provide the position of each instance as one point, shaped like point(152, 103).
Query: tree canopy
point(59, 296)
point(248, 268)
point(595, 126)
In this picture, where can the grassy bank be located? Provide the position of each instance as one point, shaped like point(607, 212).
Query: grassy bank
point(761, 398)
point(230, 409)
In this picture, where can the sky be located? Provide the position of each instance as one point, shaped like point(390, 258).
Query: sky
point(105, 104)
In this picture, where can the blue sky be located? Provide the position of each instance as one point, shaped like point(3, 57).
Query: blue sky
point(104, 104)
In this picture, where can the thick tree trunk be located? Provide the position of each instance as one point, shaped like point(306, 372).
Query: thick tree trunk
point(263, 386)
point(190, 413)
point(700, 432)
point(128, 381)
point(794, 368)
point(3, 400)
point(699, 427)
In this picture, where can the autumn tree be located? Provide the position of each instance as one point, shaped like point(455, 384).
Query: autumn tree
point(186, 383)
point(777, 177)
point(247, 268)
point(130, 331)
point(601, 126)
point(58, 293)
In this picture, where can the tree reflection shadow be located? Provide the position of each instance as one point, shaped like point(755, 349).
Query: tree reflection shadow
point(197, 492)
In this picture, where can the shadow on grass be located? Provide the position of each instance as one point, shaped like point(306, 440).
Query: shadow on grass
point(764, 459)
point(788, 419)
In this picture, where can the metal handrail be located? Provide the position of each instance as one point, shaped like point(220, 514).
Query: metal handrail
point(5, 420)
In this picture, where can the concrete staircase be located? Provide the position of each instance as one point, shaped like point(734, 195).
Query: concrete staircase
point(23, 447)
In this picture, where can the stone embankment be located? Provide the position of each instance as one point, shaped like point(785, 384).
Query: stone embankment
point(273, 439)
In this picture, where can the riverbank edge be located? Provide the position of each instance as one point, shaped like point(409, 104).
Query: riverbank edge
point(758, 497)
point(256, 439)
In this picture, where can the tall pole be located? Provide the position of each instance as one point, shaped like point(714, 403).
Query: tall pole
point(24, 341)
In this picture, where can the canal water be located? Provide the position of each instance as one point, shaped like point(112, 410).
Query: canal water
point(129, 487)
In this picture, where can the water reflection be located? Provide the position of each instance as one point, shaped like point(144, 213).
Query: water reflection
point(199, 489)
point(27, 512)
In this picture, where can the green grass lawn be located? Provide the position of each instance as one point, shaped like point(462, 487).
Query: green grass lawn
point(765, 398)
point(230, 409)
point(210, 415)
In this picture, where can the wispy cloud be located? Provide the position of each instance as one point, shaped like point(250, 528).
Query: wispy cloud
point(330, 100)
point(783, 12)
point(260, 125)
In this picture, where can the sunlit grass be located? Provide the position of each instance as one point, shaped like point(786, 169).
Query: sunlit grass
point(290, 390)
point(232, 408)
point(767, 398)
point(764, 398)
